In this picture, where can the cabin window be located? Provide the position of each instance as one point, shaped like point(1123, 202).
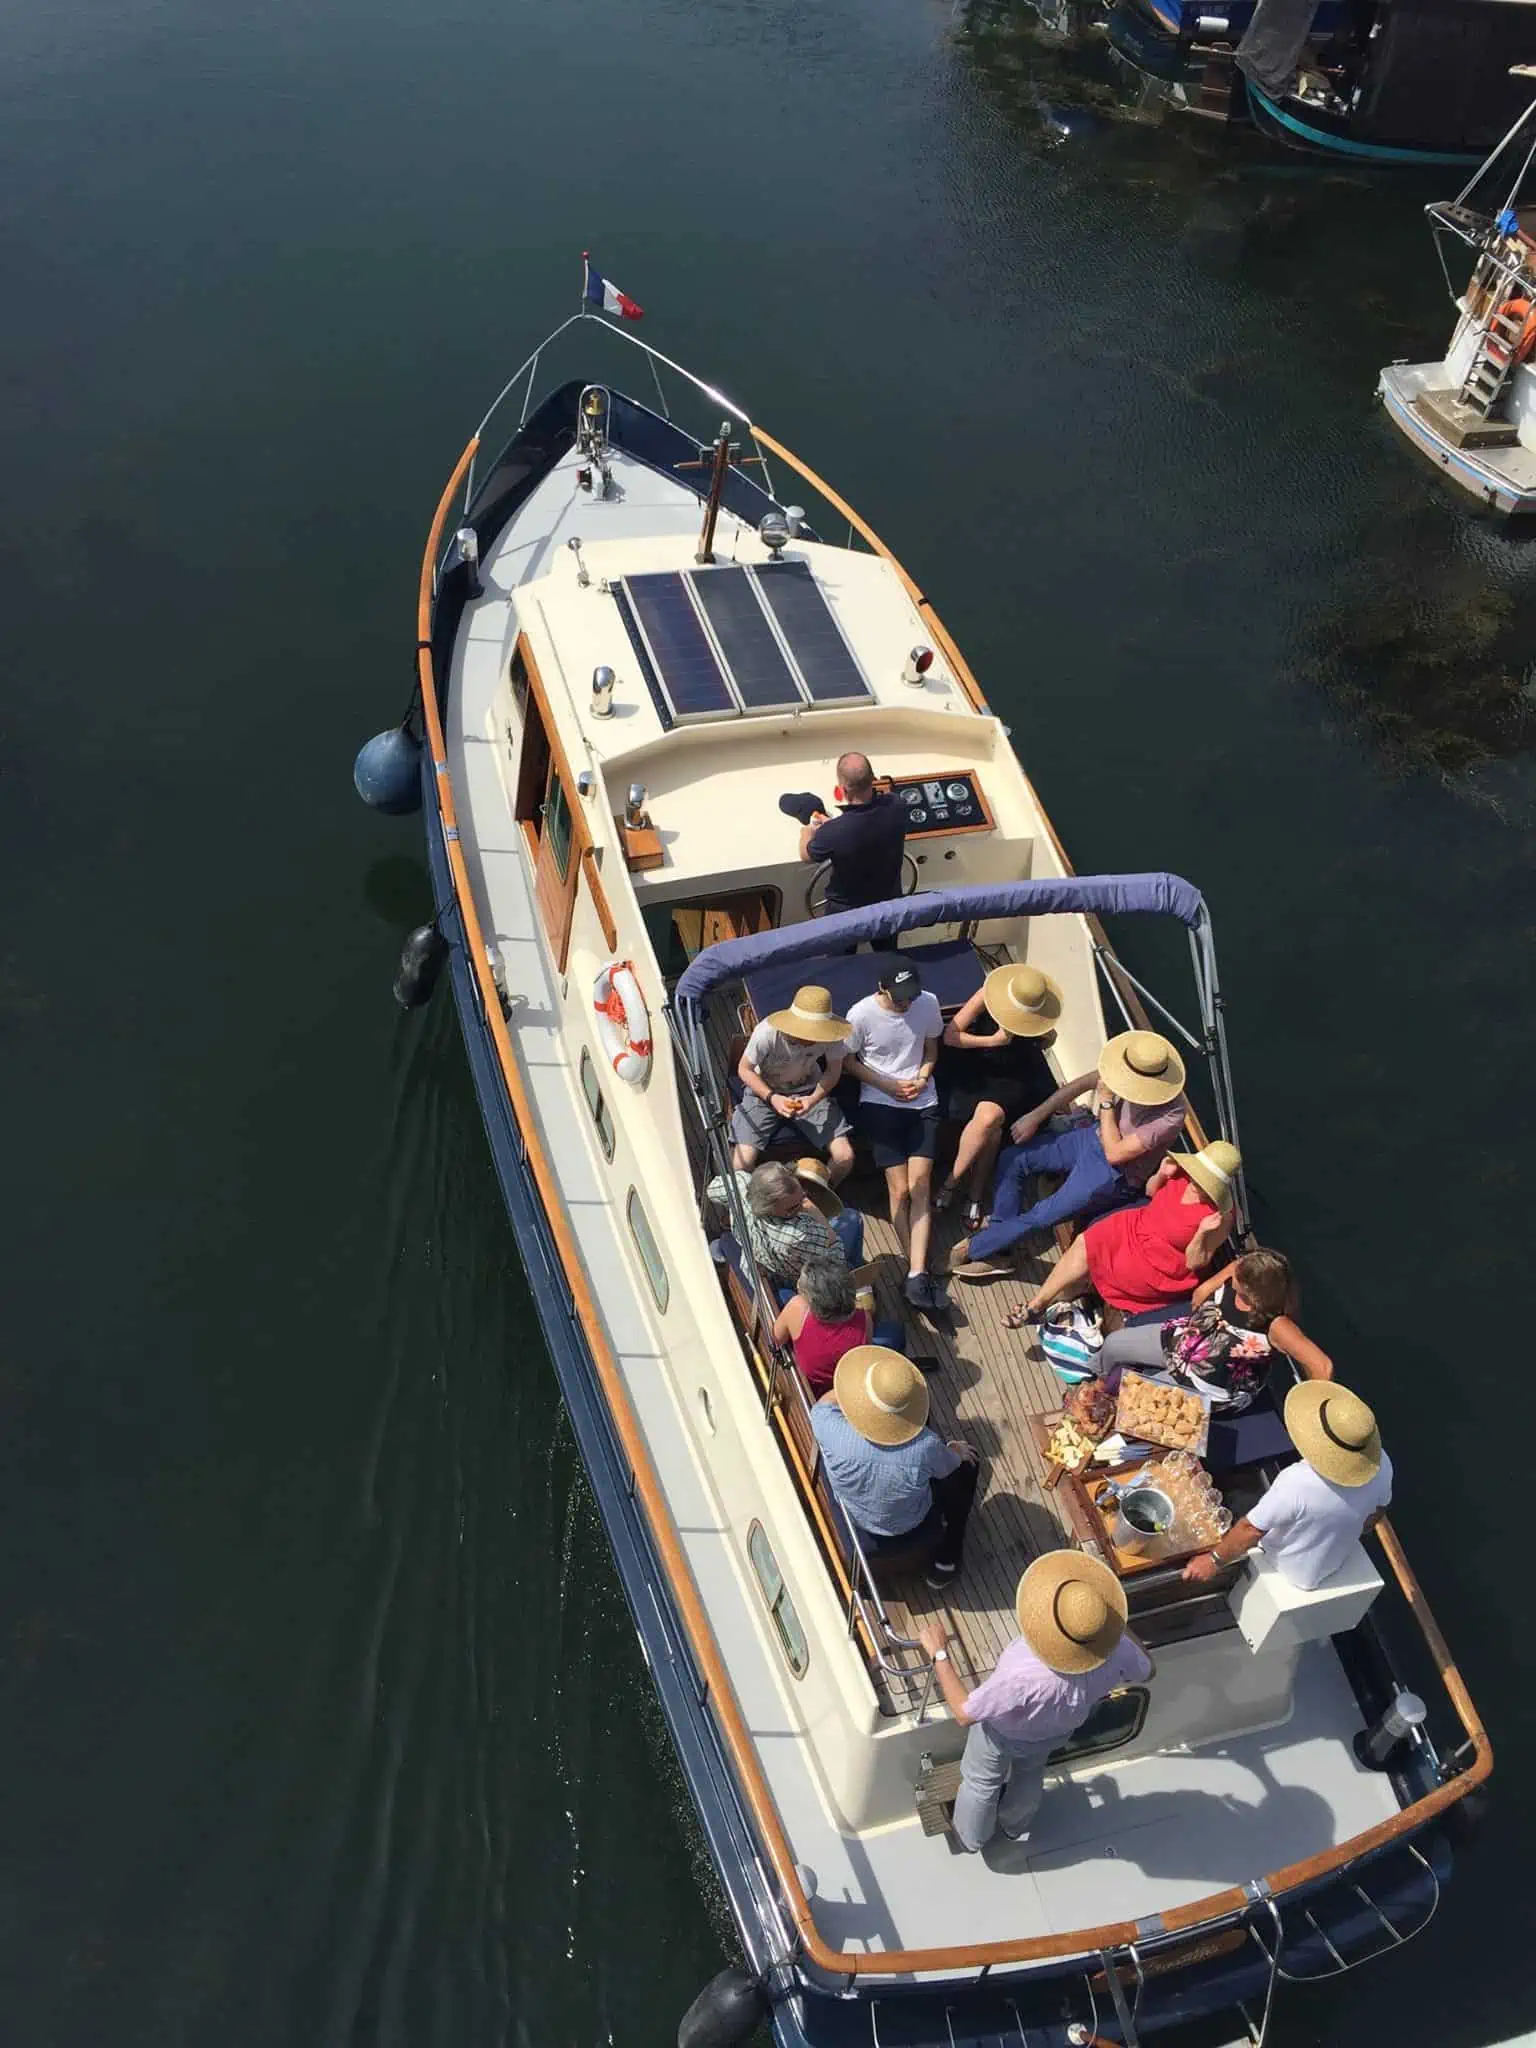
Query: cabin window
point(602, 1116)
point(1113, 1721)
point(650, 1252)
point(781, 1609)
point(517, 675)
point(556, 825)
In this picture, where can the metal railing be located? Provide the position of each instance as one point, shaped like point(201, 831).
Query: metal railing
point(782, 1381)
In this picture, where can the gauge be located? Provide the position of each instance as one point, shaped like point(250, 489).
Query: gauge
point(941, 813)
point(919, 817)
point(965, 810)
point(933, 792)
point(957, 792)
point(912, 796)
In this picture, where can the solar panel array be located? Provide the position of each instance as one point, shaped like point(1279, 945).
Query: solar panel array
point(731, 640)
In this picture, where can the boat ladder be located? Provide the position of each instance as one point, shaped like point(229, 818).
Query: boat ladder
point(1492, 362)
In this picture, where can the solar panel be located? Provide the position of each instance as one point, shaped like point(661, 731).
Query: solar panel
point(691, 679)
point(822, 655)
point(764, 679)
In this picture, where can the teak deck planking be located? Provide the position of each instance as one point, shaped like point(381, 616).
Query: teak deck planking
point(989, 1383)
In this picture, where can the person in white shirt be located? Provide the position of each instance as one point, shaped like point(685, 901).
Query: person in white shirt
point(1313, 1516)
point(893, 1047)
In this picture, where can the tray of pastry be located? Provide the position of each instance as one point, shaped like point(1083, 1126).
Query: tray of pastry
point(1156, 1414)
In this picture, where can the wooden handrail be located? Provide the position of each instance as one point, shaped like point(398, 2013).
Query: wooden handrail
point(952, 654)
point(751, 1781)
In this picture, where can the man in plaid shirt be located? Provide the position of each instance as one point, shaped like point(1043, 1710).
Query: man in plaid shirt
point(784, 1225)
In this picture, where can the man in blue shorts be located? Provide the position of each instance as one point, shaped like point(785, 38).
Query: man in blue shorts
point(893, 1047)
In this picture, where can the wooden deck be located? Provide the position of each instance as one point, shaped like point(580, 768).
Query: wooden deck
point(989, 1383)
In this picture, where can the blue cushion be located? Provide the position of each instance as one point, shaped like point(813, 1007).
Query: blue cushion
point(951, 970)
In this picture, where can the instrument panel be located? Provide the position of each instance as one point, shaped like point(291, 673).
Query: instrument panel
point(950, 801)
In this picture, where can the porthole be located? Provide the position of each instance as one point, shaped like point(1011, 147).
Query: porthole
point(602, 1116)
point(1114, 1721)
point(781, 1608)
point(650, 1252)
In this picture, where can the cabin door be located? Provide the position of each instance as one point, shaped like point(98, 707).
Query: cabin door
point(555, 834)
point(555, 862)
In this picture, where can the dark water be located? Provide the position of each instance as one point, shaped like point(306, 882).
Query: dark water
point(322, 1719)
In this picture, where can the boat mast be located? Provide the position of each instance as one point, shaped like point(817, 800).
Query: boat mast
point(725, 448)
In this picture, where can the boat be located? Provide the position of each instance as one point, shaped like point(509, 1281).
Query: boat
point(630, 640)
point(1388, 82)
point(1473, 413)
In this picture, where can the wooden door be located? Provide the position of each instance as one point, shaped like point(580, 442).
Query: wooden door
point(556, 862)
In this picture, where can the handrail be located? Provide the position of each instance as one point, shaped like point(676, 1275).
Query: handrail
point(751, 1781)
point(952, 654)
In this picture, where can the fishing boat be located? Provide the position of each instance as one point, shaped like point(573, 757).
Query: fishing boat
point(630, 641)
point(1473, 413)
point(1387, 81)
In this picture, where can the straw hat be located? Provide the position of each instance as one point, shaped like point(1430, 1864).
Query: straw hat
point(882, 1394)
point(1142, 1067)
point(810, 1016)
point(1213, 1169)
point(1334, 1431)
point(1071, 1611)
point(1025, 1002)
point(812, 1176)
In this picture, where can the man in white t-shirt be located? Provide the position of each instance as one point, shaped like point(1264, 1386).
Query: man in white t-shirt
point(893, 1047)
point(1313, 1516)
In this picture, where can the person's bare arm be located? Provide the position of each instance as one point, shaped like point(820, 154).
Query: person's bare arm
point(860, 1072)
point(790, 1320)
point(1207, 1288)
point(1314, 1361)
point(831, 1074)
point(934, 1636)
point(1035, 1120)
point(1203, 1244)
point(958, 1032)
point(1238, 1541)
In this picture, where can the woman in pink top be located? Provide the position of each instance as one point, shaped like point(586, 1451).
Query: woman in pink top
point(1138, 1259)
point(822, 1319)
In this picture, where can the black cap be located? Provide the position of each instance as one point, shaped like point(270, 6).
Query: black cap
point(902, 982)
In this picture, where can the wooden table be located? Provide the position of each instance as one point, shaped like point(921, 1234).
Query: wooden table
point(1079, 1493)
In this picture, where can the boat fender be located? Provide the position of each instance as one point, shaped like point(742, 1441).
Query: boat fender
point(421, 962)
point(623, 1022)
point(726, 2013)
point(387, 772)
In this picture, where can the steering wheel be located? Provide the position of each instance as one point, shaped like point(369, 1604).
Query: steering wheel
point(816, 887)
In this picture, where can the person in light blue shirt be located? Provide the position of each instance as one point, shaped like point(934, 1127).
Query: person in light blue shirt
point(907, 1493)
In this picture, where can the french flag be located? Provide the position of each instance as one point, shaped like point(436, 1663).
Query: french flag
point(607, 298)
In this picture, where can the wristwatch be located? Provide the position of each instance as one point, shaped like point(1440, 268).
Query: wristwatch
point(941, 1656)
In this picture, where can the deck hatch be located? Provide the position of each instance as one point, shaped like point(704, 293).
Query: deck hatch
point(687, 671)
point(744, 634)
point(812, 634)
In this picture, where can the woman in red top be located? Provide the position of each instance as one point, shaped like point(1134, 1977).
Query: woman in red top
point(1139, 1259)
point(823, 1319)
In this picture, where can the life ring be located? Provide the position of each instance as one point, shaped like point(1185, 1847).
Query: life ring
point(1512, 310)
point(623, 1022)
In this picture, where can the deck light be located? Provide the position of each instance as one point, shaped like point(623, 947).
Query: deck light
point(602, 691)
point(773, 532)
point(919, 661)
point(574, 544)
point(634, 803)
point(467, 541)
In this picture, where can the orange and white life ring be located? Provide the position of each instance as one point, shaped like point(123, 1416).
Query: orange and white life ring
point(1520, 309)
point(623, 1022)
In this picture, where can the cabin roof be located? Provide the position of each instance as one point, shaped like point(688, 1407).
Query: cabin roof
point(736, 764)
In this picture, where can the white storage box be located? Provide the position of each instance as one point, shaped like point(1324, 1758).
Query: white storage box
point(1273, 1614)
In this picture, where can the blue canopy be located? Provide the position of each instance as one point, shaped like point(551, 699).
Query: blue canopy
point(1157, 895)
